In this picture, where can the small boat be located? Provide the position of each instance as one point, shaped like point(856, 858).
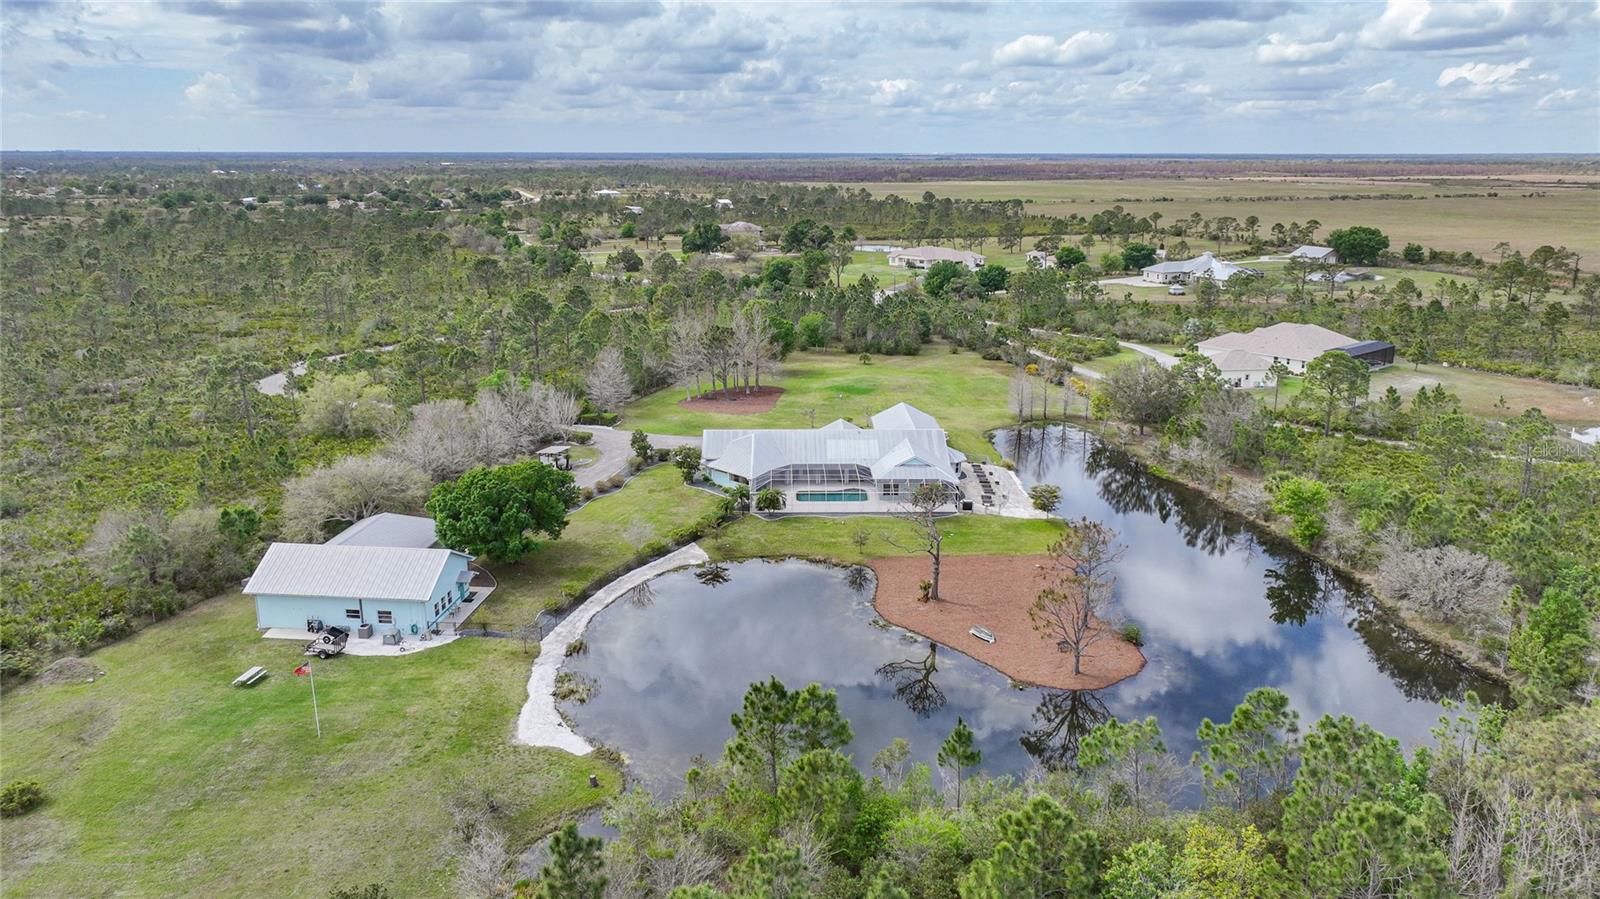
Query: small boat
point(982, 633)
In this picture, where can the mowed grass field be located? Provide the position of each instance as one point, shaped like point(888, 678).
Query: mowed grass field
point(1560, 214)
point(966, 394)
point(165, 780)
point(1480, 392)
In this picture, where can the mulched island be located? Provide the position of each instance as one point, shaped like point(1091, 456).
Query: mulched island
point(735, 401)
point(995, 592)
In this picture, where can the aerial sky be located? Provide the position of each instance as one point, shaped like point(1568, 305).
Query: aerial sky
point(1406, 76)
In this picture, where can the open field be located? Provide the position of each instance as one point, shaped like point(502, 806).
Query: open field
point(1480, 392)
point(165, 780)
point(1560, 213)
point(966, 394)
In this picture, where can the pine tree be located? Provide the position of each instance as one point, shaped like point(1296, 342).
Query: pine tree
point(958, 754)
point(574, 869)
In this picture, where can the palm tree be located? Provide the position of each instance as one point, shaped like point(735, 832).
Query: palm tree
point(740, 494)
point(770, 499)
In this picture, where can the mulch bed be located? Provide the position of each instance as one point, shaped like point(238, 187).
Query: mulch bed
point(735, 401)
point(995, 592)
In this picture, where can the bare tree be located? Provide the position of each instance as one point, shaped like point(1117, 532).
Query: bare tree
point(1069, 608)
point(752, 343)
point(1446, 582)
point(440, 440)
point(608, 383)
point(686, 351)
point(515, 420)
point(346, 492)
point(921, 509)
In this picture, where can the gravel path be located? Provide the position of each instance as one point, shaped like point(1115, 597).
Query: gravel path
point(539, 724)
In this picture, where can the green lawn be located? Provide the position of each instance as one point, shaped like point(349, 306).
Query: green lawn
point(1104, 364)
point(601, 536)
point(966, 394)
point(1480, 392)
point(831, 538)
point(165, 780)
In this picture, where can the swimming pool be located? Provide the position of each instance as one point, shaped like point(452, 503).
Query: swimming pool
point(831, 496)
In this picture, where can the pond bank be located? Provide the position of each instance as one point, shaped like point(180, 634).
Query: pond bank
point(1143, 449)
point(995, 592)
point(539, 723)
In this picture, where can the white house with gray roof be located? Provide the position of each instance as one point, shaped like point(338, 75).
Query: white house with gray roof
point(1188, 271)
point(922, 257)
point(839, 466)
point(1294, 344)
point(385, 570)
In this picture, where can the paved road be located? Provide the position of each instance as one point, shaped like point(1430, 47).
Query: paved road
point(1166, 360)
point(615, 451)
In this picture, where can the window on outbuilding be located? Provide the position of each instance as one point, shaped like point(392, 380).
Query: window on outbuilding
point(385, 616)
point(352, 614)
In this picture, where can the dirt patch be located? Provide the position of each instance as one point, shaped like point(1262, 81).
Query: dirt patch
point(995, 592)
point(735, 401)
point(70, 670)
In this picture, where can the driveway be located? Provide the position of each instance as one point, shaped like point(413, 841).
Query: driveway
point(615, 451)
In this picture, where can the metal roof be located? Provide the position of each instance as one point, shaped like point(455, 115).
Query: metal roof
point(349, 572)
point(1365, 346)
point(904, 417)
point(388, 529)
point(901, 437)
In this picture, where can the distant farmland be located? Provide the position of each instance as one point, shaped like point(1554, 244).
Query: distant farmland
point(1448, 213)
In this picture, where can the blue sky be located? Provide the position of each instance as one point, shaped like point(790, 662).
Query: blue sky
point(1406, 76)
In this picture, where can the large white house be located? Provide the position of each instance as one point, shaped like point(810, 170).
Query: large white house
point(1188, 271)
point(1292, 343)
point(839, 466)
point(922, 257)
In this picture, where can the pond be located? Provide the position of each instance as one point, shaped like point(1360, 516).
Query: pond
point(1223, 608)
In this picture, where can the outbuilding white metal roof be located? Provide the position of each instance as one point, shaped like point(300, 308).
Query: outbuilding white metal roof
point(349, 572)
point(388, 529)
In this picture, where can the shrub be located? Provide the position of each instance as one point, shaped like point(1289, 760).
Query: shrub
point(1046, 497)
point(1132, 633)
point(924, 591)
point(576, 648)
point(20, 797)
point(585, 494)
point(1305, 502)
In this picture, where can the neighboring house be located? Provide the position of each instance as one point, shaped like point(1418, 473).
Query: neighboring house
point(1343, 277)
point(1293, 344)
point(724, 203)
point(742, 228)
point(1188, 271)
point(1041, 259)
point(306, 585)
point(1242, 368)
point(608, 192)
point(1591, 436)
point(247, 201)
point(1324, 255)
point(922, 257)
point(839, 466)
point(633, 210)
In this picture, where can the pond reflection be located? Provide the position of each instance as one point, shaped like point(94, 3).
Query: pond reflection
point(1223, 610)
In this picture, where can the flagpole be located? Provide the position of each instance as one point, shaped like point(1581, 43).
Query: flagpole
point(316, 715)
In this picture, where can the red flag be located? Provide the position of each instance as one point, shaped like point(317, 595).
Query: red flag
point(302, 670)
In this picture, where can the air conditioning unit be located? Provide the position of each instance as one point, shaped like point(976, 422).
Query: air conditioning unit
point(314, 625)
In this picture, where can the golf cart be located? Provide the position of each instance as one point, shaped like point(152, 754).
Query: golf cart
point(328, 643)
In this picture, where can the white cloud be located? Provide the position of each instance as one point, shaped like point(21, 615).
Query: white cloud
point(1085, 47)
point(214, 90)
point(1385, 88)
point(892, 92)
point(1463, 25)
point(1560, 99)
point(1483, 77)
point(1281, 50)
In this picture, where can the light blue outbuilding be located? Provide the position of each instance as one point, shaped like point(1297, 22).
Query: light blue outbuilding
point(308, 586)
